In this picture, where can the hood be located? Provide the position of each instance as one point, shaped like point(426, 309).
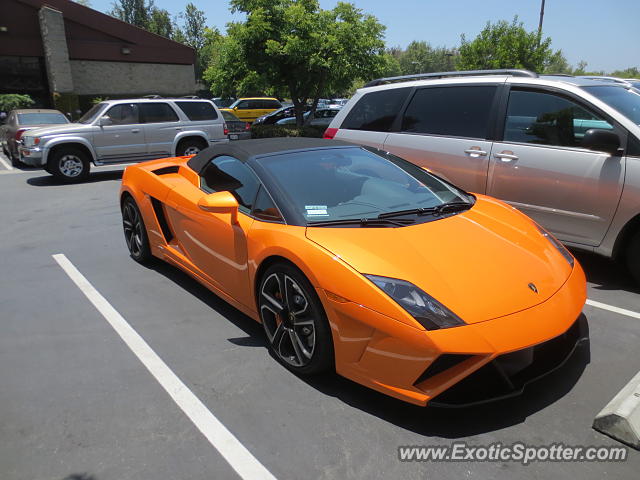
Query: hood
point(67, 128)
point(478, 263)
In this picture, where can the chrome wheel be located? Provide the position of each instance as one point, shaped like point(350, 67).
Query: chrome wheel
point(70, 165)
point(288, 319)
point(132, 225)
point(191, 150)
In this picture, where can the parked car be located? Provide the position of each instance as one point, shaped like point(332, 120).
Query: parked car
point(564, 150)
point(276, 115)
point(236, 129)
point(20, 121)
point(321, 117)
point(223, 102)
point(248, 109)
point(338, 102)
point(124, 131)
point(357, 261)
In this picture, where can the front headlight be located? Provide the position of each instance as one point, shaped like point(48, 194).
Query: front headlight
point(561, 248)
point(430, 313)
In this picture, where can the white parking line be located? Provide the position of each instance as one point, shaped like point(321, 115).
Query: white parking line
point(240, 459)
point(611, 308)
point(6, 164)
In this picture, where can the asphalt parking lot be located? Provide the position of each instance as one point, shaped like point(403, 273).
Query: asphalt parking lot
point(76, 403)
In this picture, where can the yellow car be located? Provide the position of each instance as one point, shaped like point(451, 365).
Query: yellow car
point(248, 109)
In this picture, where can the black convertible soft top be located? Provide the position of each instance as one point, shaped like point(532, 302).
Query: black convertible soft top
point(244, 150)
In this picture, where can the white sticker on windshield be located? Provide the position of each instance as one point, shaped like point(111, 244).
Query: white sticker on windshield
point(316, 210)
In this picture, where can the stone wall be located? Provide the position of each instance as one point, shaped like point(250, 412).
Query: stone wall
point(118, 78)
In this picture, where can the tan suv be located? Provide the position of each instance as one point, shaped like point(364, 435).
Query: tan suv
point(124, 131)
point(564, 150)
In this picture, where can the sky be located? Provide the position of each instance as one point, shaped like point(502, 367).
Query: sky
point(604, 33)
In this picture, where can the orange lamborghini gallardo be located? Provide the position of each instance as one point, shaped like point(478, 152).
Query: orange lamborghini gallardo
point(354, 259)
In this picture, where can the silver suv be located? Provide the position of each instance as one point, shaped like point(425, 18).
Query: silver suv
point(124, 131)
point(564, 150)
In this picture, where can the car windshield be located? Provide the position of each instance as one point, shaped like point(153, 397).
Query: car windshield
point(625, 100)
point(91, 115)
point(355, 183)
point(229, 116)
point(41, 118)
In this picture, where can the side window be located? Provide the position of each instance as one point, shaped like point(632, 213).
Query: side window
point(265, 209)
point(123, 114)
point(633, 147)
point(272, 104)
point(198, 111)
point(157, 113)
point(548, 119)
point(243, 105)
point(452, 111)
point(376, 111)
point(230, 174)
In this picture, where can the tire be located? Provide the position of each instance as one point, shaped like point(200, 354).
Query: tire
point(135, 232)
point(297, 329)
point(190, 146)
point(633, 256)
point(69, 165)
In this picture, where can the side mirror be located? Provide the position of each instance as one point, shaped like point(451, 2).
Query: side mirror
point(220, 202)
point(105, 120)
point(601, 140)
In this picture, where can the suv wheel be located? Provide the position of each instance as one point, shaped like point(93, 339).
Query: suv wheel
point(69, 165)
point(190, 146)
point(633, 256)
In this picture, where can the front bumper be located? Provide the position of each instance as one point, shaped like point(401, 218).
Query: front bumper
point(398, 360)
point(31, 156)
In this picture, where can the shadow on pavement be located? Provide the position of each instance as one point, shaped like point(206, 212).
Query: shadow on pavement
point(80, 476)
point(605, 274)
point(51, 181)
point(429, 421)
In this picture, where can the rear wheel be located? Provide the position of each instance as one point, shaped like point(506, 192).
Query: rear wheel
point(135, 233)
point(633, 256)
point(294, 321)
point(69, 165)
point(190, 146)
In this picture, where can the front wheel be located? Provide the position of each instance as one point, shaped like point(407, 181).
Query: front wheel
point(633, 256)
point(294, 321)
point(69, 165)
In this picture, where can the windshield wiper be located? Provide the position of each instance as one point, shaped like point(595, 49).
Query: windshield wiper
point(448, 207)
point(363, 222)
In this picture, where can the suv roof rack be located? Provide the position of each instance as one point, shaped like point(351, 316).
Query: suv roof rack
point(151, 96)
point(463, 73)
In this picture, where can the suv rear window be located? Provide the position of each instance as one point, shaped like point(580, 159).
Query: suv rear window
point(197, 111)
point(157, 113)
point(376, 111)
point(460, 111)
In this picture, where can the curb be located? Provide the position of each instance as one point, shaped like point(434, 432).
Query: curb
point(620, 419)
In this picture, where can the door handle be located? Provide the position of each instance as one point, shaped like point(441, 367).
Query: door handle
point(178, 128)
point(506, 156)
point(135, 130)
point(475, 152)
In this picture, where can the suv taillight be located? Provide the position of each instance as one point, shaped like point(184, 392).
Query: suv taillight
point(329, 133)
point(19, 133)
point(247, 126)
point(226, 129)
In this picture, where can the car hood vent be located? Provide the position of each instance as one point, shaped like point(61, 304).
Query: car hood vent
point(167, 170)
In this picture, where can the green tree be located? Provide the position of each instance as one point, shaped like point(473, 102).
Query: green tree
point(195, 34)
point(296, 48)
point(420, 57)
point(505, 45)
point(160, 22)
point(557, 63)
point(631, 72)
point(135, 12)
point(12, 101)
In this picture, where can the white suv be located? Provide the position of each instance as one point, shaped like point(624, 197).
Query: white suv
point(564, 150)
point(124, 131)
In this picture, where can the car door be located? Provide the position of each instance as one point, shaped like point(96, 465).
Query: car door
point(123, 137)
point(161, 124)
point(242, 110)
point(211, 242)
point(540, 167)
point(447, 129)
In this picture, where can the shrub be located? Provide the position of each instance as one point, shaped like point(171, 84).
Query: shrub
point(271, 131)
point(13, 101)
